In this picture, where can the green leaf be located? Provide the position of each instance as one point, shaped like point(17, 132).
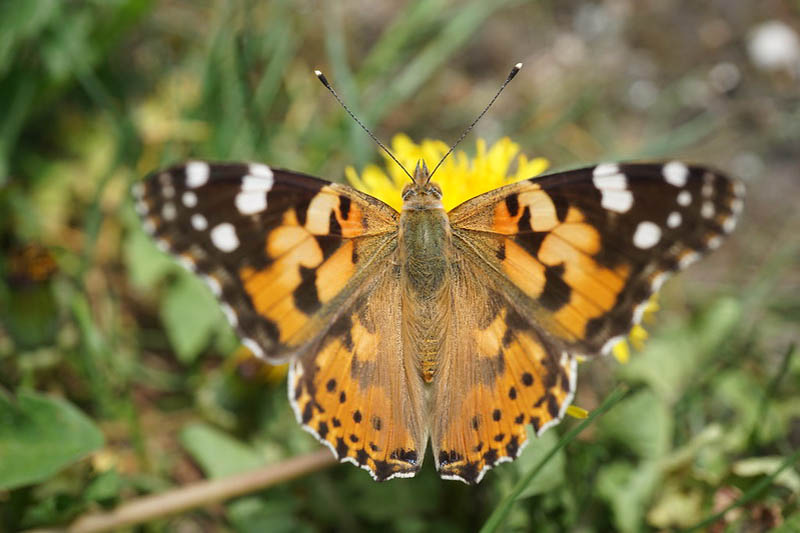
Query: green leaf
point(627, 488)
point(190, 315)
point(104, 488)
point(643, 423)
point(40, 435)
point(218, 453)
point(146, 264)
point(552, 473)
point(256, 515)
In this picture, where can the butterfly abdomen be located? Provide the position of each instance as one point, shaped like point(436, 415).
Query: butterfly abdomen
point(424, 246)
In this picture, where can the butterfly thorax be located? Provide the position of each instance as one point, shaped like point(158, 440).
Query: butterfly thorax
point(424, 247)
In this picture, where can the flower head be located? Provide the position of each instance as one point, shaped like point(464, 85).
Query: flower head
point(460, 176)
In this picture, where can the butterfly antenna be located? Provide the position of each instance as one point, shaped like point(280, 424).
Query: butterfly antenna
point(327, 85)
point(485, 109)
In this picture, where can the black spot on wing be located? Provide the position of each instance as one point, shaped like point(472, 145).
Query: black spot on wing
point(361, 456)
point(512, 204)
point(552, 406)
point(512, 448)
point(305, 295)
point(341, 447)
point(344, 207)
point(334, 228)
point(490, 456)
point(556, 292)
point(328, 244)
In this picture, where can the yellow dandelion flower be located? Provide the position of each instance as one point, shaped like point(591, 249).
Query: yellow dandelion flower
point(460, 176)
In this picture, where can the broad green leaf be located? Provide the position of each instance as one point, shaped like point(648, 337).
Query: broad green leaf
point(218, 453)
point(190, 315)
point(552, 474)
point(40, 435)
point(627, 489)
point(146, 264)
point(254, 514)
point(643, 423)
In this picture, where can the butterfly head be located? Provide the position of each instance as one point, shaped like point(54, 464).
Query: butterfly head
point(422, 193)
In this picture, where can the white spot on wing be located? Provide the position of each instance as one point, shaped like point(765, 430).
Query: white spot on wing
point(137, 189)
point(674, 220)
point(729, 224)
point(196, 174)
point(149, 226)
point(189, 199)
point(224, 237)
point(199, 222)
point(605, 169)
point(675, 173)
point(619, 201)
point(141, 207)
point(187, 263)
point(684, 198)
point(213, 284)
point(610, 181)
point(168, 211)
point(714, 242)
point(249, 203)
point(647, 235)
point(613, 186)
point(255, 186)
point(253, 346)
point(230, 314)
point(259, 170)
point(688, 259)
point(707, 211)
point(168, 190)
point(737, 204)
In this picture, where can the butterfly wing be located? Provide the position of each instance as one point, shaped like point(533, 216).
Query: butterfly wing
point(552, 267)
point(280, 250)
point(303, 267)
point(582, 251)
point(354, 392)
point(497, 375)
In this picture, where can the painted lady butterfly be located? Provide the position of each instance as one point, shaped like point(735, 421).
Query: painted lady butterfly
point(461, 327)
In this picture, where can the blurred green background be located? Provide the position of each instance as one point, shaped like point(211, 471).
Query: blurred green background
point(119, 377)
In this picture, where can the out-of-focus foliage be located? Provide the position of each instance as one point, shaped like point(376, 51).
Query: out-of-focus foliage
point(119, 377)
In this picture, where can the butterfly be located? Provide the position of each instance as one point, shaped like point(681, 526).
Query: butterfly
point(461, 328)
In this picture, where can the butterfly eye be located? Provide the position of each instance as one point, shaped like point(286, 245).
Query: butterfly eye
point(436, 190)
point(409, 191)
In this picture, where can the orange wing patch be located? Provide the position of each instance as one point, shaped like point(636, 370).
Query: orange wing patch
point(507, 376)
point(311, 258)
point(547, 251)
point(352, 391)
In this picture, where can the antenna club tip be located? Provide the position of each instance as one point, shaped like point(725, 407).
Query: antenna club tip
point(518, 66)
point(321, 77)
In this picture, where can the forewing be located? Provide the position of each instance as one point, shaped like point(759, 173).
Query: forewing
point(280, 250)
point(497, 375)
point(581, 252)
point(352, 390)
